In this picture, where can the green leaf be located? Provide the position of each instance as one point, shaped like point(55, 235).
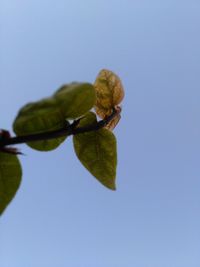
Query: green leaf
point(70, 101)
point(39, 117)
point(76, 99)
point(10, 178)
point(97, 151)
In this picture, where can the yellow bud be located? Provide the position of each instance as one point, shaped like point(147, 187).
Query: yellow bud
point(109, 94)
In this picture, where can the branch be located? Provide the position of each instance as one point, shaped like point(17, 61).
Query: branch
point(65, 131)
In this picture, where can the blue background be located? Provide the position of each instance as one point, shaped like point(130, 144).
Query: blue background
point(62, 216)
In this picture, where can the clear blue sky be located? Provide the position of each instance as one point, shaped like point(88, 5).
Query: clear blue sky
point(61, 215)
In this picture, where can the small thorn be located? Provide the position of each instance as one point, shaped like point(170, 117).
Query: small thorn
point(11, 150)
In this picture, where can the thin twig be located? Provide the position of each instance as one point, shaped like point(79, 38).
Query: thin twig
point(71, 129)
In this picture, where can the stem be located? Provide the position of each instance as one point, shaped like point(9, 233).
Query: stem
point(65, 131)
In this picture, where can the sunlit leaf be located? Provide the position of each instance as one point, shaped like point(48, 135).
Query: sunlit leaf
point(38, 117)
point(10, 178)
point(70, 101)
point(97, 151)
point(76, 99)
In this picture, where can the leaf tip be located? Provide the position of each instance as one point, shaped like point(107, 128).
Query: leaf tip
point(110, 186)
point(114, 188)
